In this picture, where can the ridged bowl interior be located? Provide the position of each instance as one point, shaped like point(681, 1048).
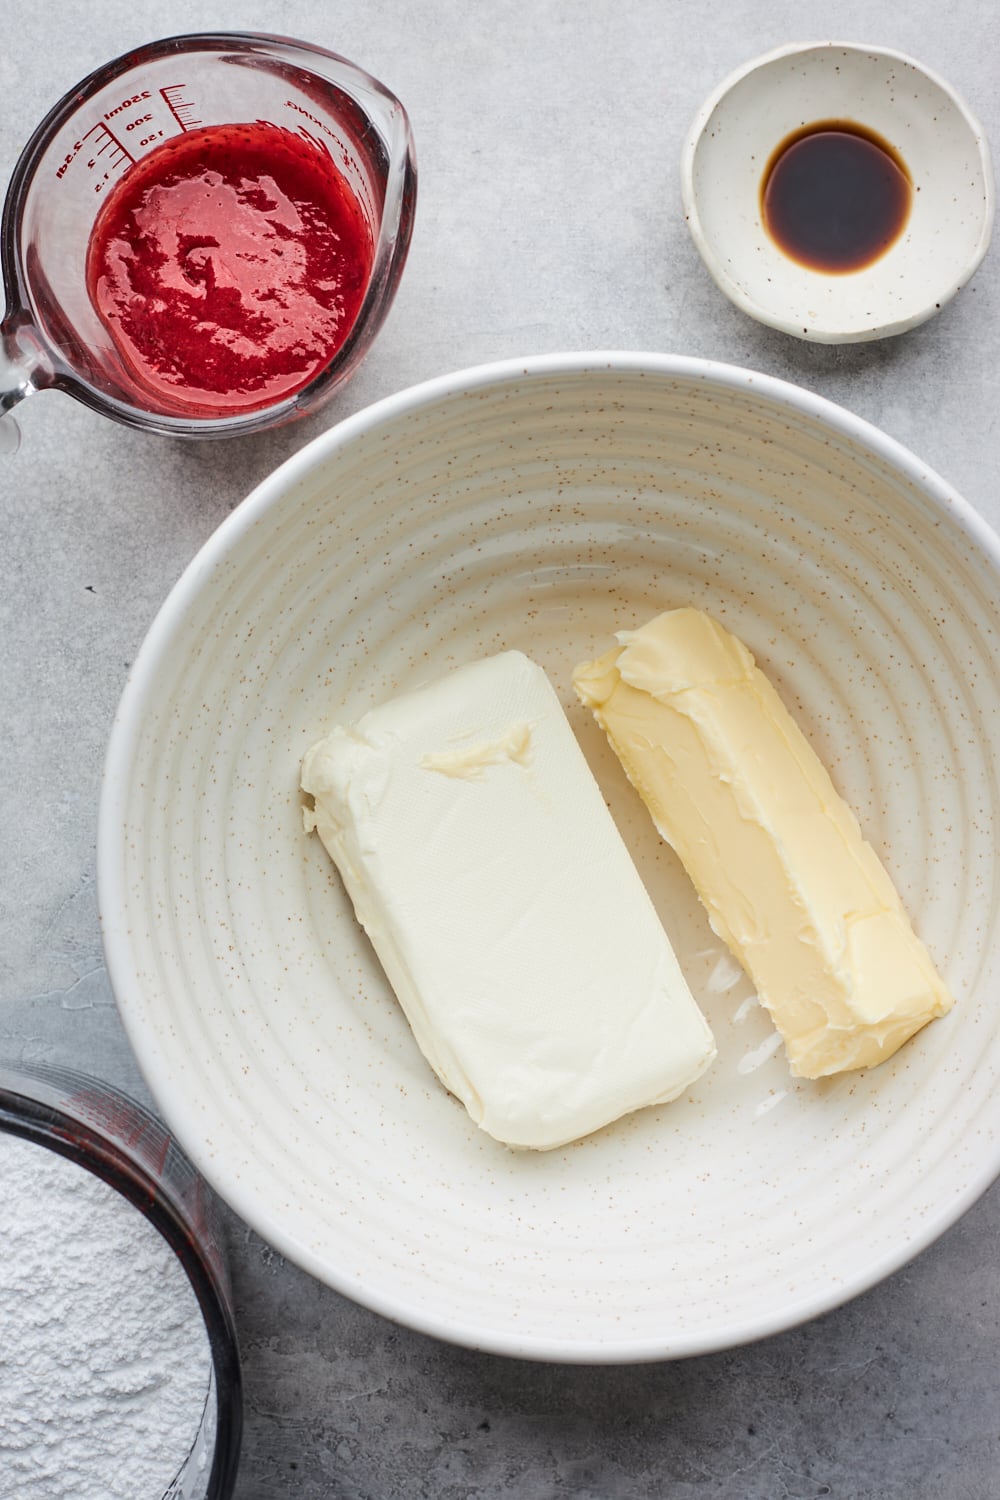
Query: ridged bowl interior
point(544, 505)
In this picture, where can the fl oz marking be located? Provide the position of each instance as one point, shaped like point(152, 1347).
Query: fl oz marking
point(109, 153)
point(101, 150)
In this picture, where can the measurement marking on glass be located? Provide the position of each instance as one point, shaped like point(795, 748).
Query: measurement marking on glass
point(102, 139)
point(110, 143)
point(181, 109)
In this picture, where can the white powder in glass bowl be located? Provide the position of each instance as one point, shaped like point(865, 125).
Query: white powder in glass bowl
point(104, 1357)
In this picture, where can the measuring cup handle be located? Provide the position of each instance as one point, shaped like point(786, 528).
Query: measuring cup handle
point(24, 368)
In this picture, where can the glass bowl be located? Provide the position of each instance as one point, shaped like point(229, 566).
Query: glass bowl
point(111, 1135)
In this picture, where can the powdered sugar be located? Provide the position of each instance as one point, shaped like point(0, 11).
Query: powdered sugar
point(104, 1358)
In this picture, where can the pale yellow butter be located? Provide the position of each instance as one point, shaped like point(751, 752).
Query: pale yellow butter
point(774, 852)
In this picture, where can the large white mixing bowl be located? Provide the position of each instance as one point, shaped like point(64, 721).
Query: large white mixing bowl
point(543, 505)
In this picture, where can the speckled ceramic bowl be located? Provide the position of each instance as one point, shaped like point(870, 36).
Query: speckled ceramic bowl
point(543, 505)
point(756, 109)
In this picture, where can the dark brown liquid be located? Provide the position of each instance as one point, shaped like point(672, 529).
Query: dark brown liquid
point(835, 196)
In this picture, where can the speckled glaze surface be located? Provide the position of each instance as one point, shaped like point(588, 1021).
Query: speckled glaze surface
point(543, 505)
point(752, 112)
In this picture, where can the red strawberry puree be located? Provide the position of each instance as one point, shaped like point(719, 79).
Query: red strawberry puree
point(229, 266)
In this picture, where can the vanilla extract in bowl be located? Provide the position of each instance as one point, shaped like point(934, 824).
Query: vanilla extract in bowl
point(835, 196)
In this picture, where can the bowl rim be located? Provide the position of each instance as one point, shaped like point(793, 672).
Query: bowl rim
point(771, 317)
point(127, 730)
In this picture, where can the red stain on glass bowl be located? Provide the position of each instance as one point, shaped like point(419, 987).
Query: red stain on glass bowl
point(229, 266)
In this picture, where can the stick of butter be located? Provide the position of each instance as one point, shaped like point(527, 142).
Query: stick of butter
point(775, 854)
point(506, 911)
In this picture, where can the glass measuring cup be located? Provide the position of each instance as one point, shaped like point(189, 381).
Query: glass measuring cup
point(52, 336)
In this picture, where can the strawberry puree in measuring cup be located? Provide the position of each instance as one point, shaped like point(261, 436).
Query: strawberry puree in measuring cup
point(185, 272)
point(229, 266)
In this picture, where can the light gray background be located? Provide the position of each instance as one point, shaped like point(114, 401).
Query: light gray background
point(548, 137)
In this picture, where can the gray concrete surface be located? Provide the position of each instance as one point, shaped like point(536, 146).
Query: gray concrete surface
point(549, 219)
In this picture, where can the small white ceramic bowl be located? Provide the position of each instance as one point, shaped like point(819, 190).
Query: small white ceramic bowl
point(753, 112)
point(543, 505)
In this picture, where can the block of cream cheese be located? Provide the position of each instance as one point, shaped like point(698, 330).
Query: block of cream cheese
point(504, 907)
point(774, 852)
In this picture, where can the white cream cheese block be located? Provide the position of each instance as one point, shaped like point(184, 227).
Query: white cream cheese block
point(504, 907)
point(775, 853)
